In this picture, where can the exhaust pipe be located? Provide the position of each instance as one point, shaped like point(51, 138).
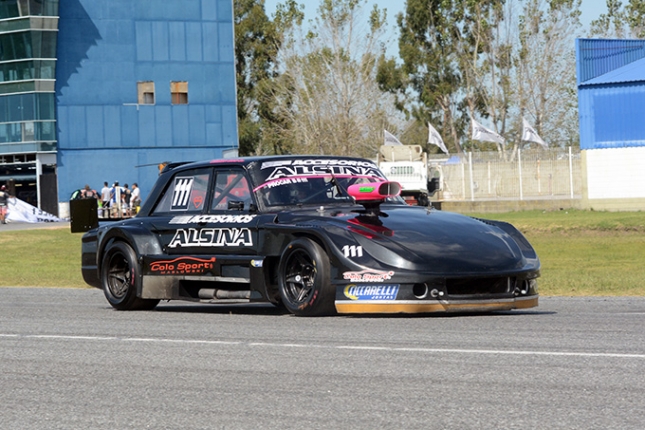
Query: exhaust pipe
point(212, 293)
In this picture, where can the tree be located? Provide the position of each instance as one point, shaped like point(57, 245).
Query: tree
point(442, 78)
point(257, 43)
point(484, 55)
point(429, 73)
point(326, 97)
point(546, 69)
point(619, 22)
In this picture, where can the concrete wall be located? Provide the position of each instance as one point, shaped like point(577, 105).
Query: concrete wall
point(501, 206)
point(614, 179)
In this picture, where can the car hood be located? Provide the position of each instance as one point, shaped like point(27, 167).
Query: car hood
point(431, 240)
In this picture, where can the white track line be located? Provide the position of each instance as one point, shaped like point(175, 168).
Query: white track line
point(340, 347)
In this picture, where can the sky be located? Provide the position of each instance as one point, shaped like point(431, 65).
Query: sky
point(591, 9)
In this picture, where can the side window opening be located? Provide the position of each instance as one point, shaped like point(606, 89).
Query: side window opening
point(186, 193)
point(231, 191)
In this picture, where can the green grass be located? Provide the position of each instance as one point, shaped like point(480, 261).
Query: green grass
point(583, 253)
point(572, 221)
point(49, 257)
point(591, 263)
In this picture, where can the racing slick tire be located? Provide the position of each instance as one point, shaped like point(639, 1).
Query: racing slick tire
point(119, 275)
point(304, 279)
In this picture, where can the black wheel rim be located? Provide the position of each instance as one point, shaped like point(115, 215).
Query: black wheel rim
point(119, 276)
point(300, 276)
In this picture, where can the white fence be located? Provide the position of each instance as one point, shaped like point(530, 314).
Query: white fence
point(523, 175)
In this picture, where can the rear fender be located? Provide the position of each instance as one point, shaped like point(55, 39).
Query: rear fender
point(141, 240)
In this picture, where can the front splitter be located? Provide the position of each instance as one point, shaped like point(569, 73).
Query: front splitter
point(433, 306)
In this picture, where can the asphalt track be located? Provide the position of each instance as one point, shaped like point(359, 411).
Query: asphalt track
point(68, 361)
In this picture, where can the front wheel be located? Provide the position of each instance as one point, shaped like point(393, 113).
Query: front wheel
point(304, 279)
point(119, 276)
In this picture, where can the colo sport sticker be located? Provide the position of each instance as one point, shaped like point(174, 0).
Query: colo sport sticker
point(182, 266)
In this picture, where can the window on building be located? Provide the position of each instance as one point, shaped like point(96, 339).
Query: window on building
point(27, 131)
point(179, 93)
point(146, 93)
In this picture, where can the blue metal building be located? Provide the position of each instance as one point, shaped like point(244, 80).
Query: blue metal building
point(611, 100)
point(136, 83)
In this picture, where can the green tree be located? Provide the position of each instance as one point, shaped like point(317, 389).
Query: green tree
point(257, 44)
point(620, 22)
point(546, 69)
point(442, 78)
point(484, 55)
point(326, 97)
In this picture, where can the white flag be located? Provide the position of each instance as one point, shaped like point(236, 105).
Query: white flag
point(390, 140)
point(485, 134)
point(435, 138)
point(530, 135)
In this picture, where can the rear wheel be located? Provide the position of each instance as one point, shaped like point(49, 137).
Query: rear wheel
point(304, 279)
point(119, 276)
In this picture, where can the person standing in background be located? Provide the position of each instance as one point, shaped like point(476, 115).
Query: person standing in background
point(126, 198)
point(136, 198)
point(88, 193)
point(115, 200)
point(105, 199)
point(4, 196)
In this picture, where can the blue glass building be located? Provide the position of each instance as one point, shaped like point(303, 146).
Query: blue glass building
point(95, 91)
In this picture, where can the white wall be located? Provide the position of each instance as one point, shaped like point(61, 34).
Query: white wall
point(615, 173)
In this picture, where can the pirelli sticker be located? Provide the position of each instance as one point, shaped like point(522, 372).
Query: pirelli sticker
point(371, 292)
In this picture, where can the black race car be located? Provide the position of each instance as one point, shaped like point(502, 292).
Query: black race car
point(318, 235)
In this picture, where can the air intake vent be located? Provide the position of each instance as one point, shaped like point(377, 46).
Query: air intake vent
point(465, 287)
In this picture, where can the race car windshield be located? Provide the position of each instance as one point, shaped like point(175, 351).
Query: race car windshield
point(323, 190)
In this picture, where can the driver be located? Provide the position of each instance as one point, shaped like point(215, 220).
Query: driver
point(276, 196)
point(299, 193)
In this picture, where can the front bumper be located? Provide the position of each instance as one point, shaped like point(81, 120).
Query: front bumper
point(434, 306)
point(439, 295)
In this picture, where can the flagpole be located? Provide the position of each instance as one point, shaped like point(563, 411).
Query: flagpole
point(470, 172)
point(571, 171)
point(519, 164)
point(463, 180)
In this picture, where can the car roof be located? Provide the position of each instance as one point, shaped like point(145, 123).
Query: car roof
point(245, 161)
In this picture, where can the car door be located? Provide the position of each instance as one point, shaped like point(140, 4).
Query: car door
point(184, 199)
point(226, 228)
point(207, 217)
point(231, 220)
